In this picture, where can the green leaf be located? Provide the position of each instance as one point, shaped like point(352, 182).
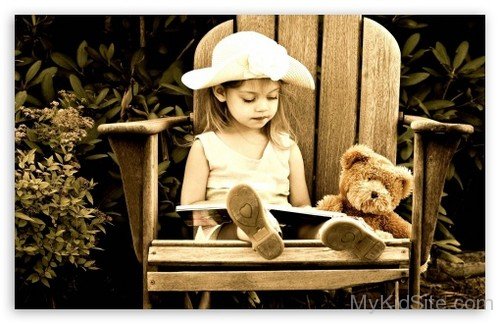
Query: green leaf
point(48, 91)
point(20, 98)
point(104, 52)
point(29, 219)
point(179, 153)
point(438, 104)
point(51, 71)
point(449, 257)
point(165, 111)
point(45, 282)
point(127, 98)
point(448, 247)
point(423, 107)
point(113, 112)
point(63, 61)
point(460, 54)
point(450, 241)
point(176, 89)
point(168, 21)
point(472, 65)
point(32, 71)
point(102, 95)
point(77, 86)
point(410, 44)
point(163, 166)
point(440, 53)
point(137, 58)
point(418, 54)
point(110, 52)
point(96, 156)
point(82, 55)
point(445, 231)
point(445, 219)
point(406, 152)
point(414, 78)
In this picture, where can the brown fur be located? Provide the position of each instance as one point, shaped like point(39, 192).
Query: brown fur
point(371, 187)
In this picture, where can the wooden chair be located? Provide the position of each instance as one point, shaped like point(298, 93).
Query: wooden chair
point(356, 101)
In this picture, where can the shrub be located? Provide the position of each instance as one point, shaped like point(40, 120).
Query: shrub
point(444, 82)
point(54, 222)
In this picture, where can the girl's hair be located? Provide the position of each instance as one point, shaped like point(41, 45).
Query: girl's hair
point(214, 115)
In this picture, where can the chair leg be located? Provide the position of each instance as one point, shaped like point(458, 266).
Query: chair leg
point(392, 288)
point(205, 300)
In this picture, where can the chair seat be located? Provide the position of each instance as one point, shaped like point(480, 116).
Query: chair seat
point(186, 265)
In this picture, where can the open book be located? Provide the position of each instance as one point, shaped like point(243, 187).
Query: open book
point(205, 214)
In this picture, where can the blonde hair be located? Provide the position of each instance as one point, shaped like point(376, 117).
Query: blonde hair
point(214, 115)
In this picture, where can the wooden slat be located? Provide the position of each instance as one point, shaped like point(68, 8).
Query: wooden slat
point(299, 35)
point(438, 150)
point(202, 59)
point(143, 127)
point(338, 98)
point(149, 207)
point(416, 219)
point(268, 280)
point(238, 243)
point(243, 256)
point(126, 146)
point(381, 64)
point(259, 23)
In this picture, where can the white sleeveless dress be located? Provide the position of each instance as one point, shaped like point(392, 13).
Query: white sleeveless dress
point(267, 175)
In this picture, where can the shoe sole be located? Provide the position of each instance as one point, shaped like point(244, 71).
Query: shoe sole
point(344, 234)
point(246, 211)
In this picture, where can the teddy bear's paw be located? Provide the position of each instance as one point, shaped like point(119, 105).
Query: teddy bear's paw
point(384, 235)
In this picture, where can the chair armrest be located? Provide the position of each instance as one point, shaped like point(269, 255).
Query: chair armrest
point(422, 125)
point(144, 127)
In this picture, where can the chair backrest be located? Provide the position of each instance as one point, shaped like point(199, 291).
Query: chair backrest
point(357, 86)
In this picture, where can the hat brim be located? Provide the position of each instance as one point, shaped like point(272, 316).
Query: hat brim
point(297, 74)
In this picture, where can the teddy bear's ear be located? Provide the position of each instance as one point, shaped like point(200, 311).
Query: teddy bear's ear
point(404, 174)
point(355, 154)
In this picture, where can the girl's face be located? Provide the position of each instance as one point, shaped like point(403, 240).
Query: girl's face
point(253, 104)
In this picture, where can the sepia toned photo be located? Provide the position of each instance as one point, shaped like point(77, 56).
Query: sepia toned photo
point(332, 161)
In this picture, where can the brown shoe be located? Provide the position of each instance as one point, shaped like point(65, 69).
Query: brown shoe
point(248, 213)
point(345, 233)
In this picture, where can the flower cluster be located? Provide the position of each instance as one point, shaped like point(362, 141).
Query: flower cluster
point(54, 126)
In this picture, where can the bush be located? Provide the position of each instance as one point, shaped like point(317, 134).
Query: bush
point(55, 224)
point(444, 80)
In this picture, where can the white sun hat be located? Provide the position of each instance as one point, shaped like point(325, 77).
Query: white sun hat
point(249, 55)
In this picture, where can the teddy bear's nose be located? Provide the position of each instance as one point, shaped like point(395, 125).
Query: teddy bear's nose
point(374, 194)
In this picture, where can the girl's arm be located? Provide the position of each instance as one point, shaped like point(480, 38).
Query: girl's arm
point(299, 195)
point(195, 176)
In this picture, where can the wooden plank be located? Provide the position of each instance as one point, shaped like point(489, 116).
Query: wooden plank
point(260, 23)
point(299, 35)
point(143, 127)
point(268, 280)
point(150, 207)
point(416, 219)
point(124, 146)
point(439, 150)
point(202, 59)
point(238, 243)
point(381, 64)
point(338, 98)
point(244, 256)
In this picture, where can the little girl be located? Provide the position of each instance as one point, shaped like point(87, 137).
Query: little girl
point(246, 155)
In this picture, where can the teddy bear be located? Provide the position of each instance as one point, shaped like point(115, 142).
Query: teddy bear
point(371, 187)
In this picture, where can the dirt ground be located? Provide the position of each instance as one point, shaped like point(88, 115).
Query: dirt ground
point(441, 288)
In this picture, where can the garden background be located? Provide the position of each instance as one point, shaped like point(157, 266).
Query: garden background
point(72, 73)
